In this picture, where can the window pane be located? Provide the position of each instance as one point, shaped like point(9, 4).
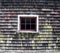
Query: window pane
point(28, 26)
point(33, 20)
point(23, 26)
point(28, 20)
point(22, 20)
point(33, 27)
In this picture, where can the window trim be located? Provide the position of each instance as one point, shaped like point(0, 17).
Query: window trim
point(27, 16)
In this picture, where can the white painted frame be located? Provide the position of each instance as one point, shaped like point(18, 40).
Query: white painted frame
point(37, 23)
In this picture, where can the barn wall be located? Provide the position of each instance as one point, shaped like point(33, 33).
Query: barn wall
point(48, 12)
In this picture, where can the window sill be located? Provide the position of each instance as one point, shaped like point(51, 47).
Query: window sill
point(28, 31)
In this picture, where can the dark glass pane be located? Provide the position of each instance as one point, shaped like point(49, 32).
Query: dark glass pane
point(33, 20)
point(28, 26)
point(22, 20)
point(33, 27)
point(28, 20)
point(23, 26)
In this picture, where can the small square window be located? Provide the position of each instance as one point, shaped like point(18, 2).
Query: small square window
point(27, 23)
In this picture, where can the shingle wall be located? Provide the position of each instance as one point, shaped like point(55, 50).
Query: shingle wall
point(49, 19)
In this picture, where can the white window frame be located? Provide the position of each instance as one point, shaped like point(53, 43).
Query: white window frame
point(27, 16)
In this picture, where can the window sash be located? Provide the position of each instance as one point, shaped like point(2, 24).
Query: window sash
point(27, 23)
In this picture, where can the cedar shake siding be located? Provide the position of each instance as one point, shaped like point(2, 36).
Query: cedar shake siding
point(47, 26)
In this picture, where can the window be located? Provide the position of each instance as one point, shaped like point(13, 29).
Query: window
point(28, 23)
